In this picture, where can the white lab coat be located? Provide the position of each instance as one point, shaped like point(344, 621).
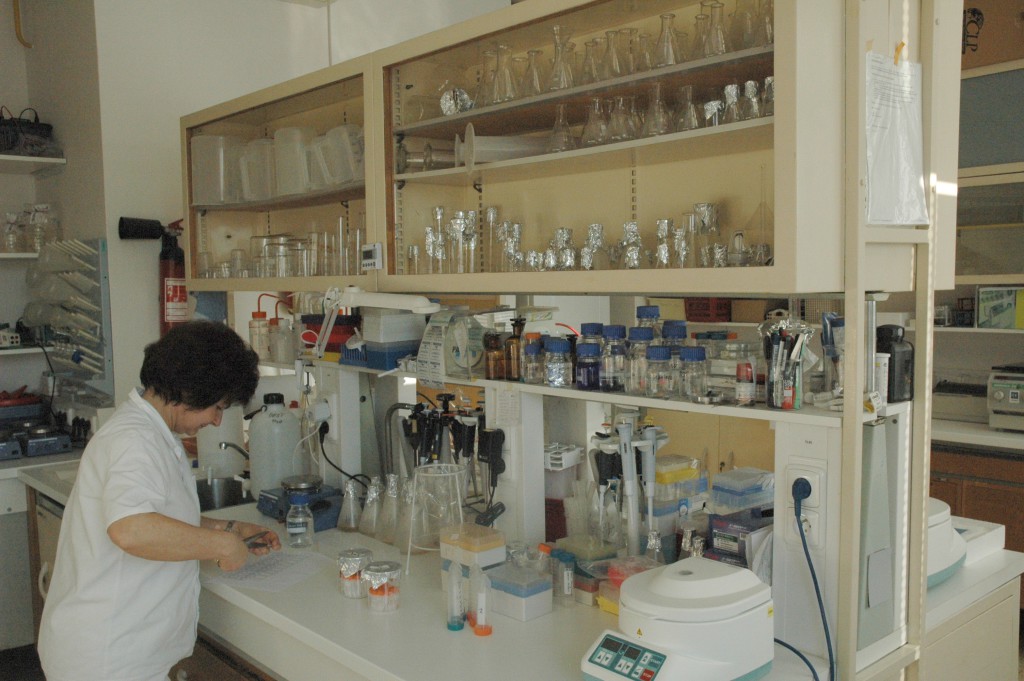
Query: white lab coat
point(110, 616)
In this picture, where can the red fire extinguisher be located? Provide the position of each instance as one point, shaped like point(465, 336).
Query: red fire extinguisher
point(173, 295)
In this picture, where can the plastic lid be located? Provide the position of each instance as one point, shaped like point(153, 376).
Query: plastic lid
point(692, 354)
point(588, 350)
point(640, 333)
point(613, 331)
point(673, 328)
point(648, 312)
point(273, 398)
point(532, 336)
point(591, 328)
point(259, 314)
point(544, 548)
point(532, 349)
point(297, 498)
point(659, 352)
point(557, 345)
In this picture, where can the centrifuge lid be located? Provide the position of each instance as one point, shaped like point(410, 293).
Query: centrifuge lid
point(694, 590)
point(938, 512)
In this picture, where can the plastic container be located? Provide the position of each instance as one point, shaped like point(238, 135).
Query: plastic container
point(290, 163)
point(259, 334)
point(520, 592)
point(340, 154)
point(742, 488)
point(350, 572)
point(558, 483)
point(216, 169)
point(257, 168)
point(383, 585)
point(383, 356)
point(273, 436)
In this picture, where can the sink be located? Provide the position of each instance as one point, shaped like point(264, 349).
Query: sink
point(219, 492)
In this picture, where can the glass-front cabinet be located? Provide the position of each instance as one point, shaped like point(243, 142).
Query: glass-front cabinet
point(275, 185)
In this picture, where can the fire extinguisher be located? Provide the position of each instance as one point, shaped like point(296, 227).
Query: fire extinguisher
point(173, 295)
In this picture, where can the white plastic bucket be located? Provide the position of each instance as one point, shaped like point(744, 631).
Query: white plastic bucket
point(257, 170)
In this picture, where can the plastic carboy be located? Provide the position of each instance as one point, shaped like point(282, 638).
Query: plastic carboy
point(273, 436)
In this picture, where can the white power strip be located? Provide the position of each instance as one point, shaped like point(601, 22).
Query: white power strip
point(9, 339)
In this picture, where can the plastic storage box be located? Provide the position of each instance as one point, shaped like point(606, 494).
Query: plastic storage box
point(383, 356)
point(472, 544)
point(742, 488)
point(519, 592)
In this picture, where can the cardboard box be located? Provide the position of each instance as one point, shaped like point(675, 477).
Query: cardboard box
point(708, 309)
point(993, 32)
point(1000, 307)
point(754, 310)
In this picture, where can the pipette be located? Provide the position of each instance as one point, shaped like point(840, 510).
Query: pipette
point(653, 536)
point(629, 488)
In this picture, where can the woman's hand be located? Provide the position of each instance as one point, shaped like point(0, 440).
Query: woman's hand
point(247, 538)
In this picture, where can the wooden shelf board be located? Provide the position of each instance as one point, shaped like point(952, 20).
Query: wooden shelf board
point(347, 192)
point(989, 279)
point(12, 164)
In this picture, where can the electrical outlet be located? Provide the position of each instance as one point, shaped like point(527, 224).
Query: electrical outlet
point(331, 399)
point(812, 527)
point(813, 471)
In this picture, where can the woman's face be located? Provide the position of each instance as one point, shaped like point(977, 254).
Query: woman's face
point(189, 420)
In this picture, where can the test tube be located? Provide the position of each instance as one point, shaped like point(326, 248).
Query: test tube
point(456, 604)
point(482, 624)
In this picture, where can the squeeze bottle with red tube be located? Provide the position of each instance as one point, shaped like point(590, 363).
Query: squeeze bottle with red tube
point(173, 294)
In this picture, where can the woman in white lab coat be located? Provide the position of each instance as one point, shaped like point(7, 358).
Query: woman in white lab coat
point(123, 600)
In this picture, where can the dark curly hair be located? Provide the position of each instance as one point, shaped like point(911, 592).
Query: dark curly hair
point(199, 364)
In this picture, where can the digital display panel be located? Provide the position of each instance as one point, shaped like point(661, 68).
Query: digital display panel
point(632, 653)
point(612, 644)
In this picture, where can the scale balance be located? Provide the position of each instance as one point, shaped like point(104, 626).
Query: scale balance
point(697, 619)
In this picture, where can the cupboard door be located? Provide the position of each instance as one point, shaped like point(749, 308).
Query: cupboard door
point(950, 491)
point(204, 665)
point(997, 503)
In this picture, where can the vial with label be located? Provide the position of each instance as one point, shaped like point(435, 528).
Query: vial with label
point(649, 317)
point(533, 364)
point(567, 575)
point(746, 384)
point(613, 359)
point(695, 372)
point(659, 380)
point(588, 366)
point(557, 363)
point(299, 522)
point(640, 338)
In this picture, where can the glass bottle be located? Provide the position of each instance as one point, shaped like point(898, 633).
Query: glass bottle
point(595, 130)
point(388, 522)
point(715, 42)
point(590, 72)
point(611, 62)
point(665, 49)
point(594, 254)
point(371, 509)
point(557, 363)
point(494, 356)
point(750, 103)
point(620, 126)
point(674, 338)
point(561, 69)
point(768, 97)
point(588, 366)
point(504, 81)
point(741, 28)
point(485, 89)
point(764, 31)
point(613, 358)
point(662, 253)
point(636, 368)
point(299, 522)
point(533, 364)
point(700, 33)
point(686, 113)
point(533, 82)
point(514, 350)
point(685, 242)
point(348, 519)
point(649, 317)
point(657, 121)
point(561, 138)
point(694, 372)
point(627, 50)
point(591, 332)
point(731, 96)
point(659, 380)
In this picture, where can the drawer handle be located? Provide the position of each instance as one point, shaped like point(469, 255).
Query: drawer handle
point(43, 581)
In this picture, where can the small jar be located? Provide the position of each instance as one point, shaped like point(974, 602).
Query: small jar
point(350, 572)
point(382, 578)
point(613, 359)
point(640, 338)
point(557, 363)
point(588, 366)
point(494, 357)
point(659, 380)
point(533, 364)
point(649, 317)
point(299, 522)
point(591, 332)
point(694, 372)
point(566, 575)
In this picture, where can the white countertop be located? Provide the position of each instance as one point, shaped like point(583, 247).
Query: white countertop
point(55, 479)
point(976, 434)
point(10, 469)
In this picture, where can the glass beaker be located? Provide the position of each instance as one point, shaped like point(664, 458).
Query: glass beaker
point(504, 81)
point(561, 138)
point(561, 69)
point(627, 50)
point(438, 491)
point(686, 111)
point(532, 80)
point(715, 42)
point(643, 60)
point(665, 48)
point(485, 89)
point(657, 121)
point(590, 73)
point(620, 126)
point(595, 130)
point(611, 63)
point(741, 28)
point(700, 33)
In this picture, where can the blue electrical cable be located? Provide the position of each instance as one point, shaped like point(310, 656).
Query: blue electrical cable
point(805, 489)
point(814, 673)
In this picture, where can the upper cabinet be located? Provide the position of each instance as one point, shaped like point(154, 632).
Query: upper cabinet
point(580, 122)
point(276, 189)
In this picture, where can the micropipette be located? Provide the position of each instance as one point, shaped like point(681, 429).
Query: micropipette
point(629, 488)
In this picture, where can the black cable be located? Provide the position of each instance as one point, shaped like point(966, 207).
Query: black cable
point(336, 467)
point(814, 673)
point(814, 577)
point(429, 401)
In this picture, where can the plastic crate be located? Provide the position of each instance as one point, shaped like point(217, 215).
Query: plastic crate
point(382, 356)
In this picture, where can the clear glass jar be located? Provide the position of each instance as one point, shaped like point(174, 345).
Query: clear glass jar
point(640, 339)
point(694, 372)
point(649, 316)
point(613, 359)
point(382, 579)
point(533, 364)
point(674, 336)
point(557, 363)
point(591, 332)
point(588, 366)
point(299, 522)
point(659, 381)
point(350, 572)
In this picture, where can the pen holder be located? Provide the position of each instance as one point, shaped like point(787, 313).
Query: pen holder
point(784, 385)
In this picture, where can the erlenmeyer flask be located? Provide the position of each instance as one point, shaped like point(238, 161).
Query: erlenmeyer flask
point(595, 130)
point(627, 51)
point(348, 519)
point(611, 64)
point(731, 95)
point(741, 28)
point(519, 72)
point(686, 113)
point(750, 103)
point(764, 29)
point(636, 121)
point(700, 32)
point(590, 73)
point(561, 68)
point(714, 42)
point(485, 89)
point(657, 120)
point(532, 80)
point(643, 60)
point(665, 49)
point(768, 97)
point(504, 81)
point(620, 127)
point(561, 138)
point(388, 520)
point(371, 510)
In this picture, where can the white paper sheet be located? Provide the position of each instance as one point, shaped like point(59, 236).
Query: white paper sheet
point(275, 571)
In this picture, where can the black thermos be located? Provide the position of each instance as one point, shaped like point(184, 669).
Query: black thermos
point(889, 339)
